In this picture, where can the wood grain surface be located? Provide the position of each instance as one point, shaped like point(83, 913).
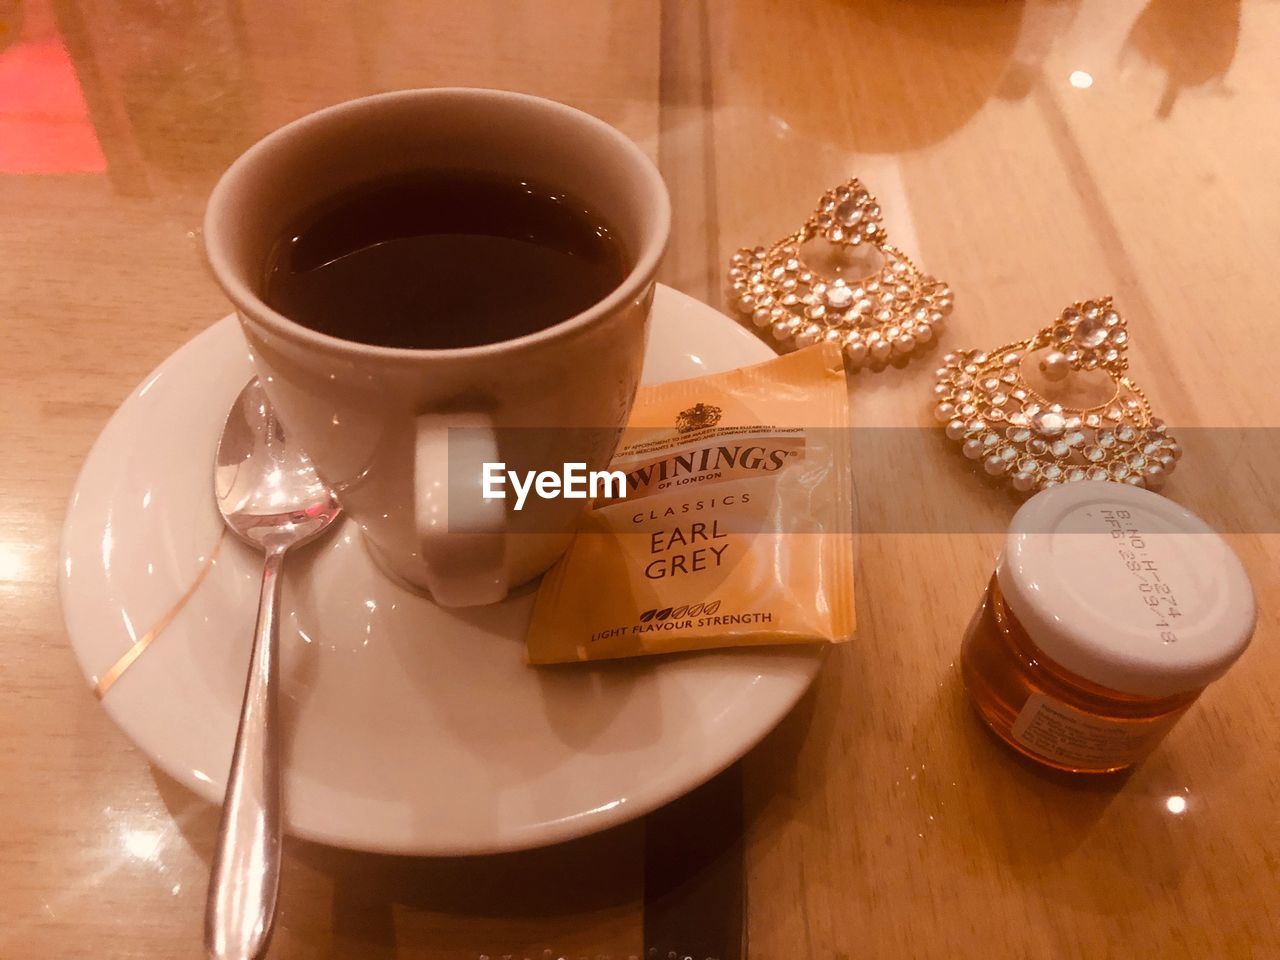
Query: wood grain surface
point(1029, 153)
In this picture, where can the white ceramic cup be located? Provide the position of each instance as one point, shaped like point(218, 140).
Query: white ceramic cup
point(378, 421)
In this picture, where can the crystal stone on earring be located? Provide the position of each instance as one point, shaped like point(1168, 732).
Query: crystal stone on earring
point(1090, 332)
point(1049, 423)
point(849, 212)
point(839, 297)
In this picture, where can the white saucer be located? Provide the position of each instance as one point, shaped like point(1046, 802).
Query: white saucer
point(409, 729)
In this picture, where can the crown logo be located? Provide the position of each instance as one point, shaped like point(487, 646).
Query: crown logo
point(697, 417)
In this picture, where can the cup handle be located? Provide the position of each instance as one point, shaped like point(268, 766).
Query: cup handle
point(462, 534)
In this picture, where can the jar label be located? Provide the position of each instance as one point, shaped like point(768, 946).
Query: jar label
point(1073, 738)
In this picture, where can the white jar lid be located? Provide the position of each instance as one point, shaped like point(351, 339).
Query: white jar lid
point(1125, 588)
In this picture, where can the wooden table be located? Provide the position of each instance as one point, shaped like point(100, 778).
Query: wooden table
point(1031, 154)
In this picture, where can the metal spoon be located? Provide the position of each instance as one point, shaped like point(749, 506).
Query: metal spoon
point(270, 496)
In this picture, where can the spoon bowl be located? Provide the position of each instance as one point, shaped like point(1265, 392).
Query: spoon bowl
point(266, 488)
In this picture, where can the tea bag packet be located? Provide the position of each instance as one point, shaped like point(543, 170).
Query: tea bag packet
point(736, 528)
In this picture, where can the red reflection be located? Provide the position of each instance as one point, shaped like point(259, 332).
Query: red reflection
point(44, 121)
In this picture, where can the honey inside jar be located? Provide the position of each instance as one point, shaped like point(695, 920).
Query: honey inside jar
point(1110, 611)
point(1003, 670)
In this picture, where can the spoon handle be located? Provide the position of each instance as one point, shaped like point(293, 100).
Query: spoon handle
point(246, 866)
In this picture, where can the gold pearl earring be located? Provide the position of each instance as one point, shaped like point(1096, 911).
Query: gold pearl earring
point(888, 313)
point(1021, 436)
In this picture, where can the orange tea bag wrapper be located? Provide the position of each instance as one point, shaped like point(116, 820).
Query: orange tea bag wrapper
point(736, 528)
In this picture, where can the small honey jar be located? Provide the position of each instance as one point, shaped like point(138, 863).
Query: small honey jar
point(1110, 610)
